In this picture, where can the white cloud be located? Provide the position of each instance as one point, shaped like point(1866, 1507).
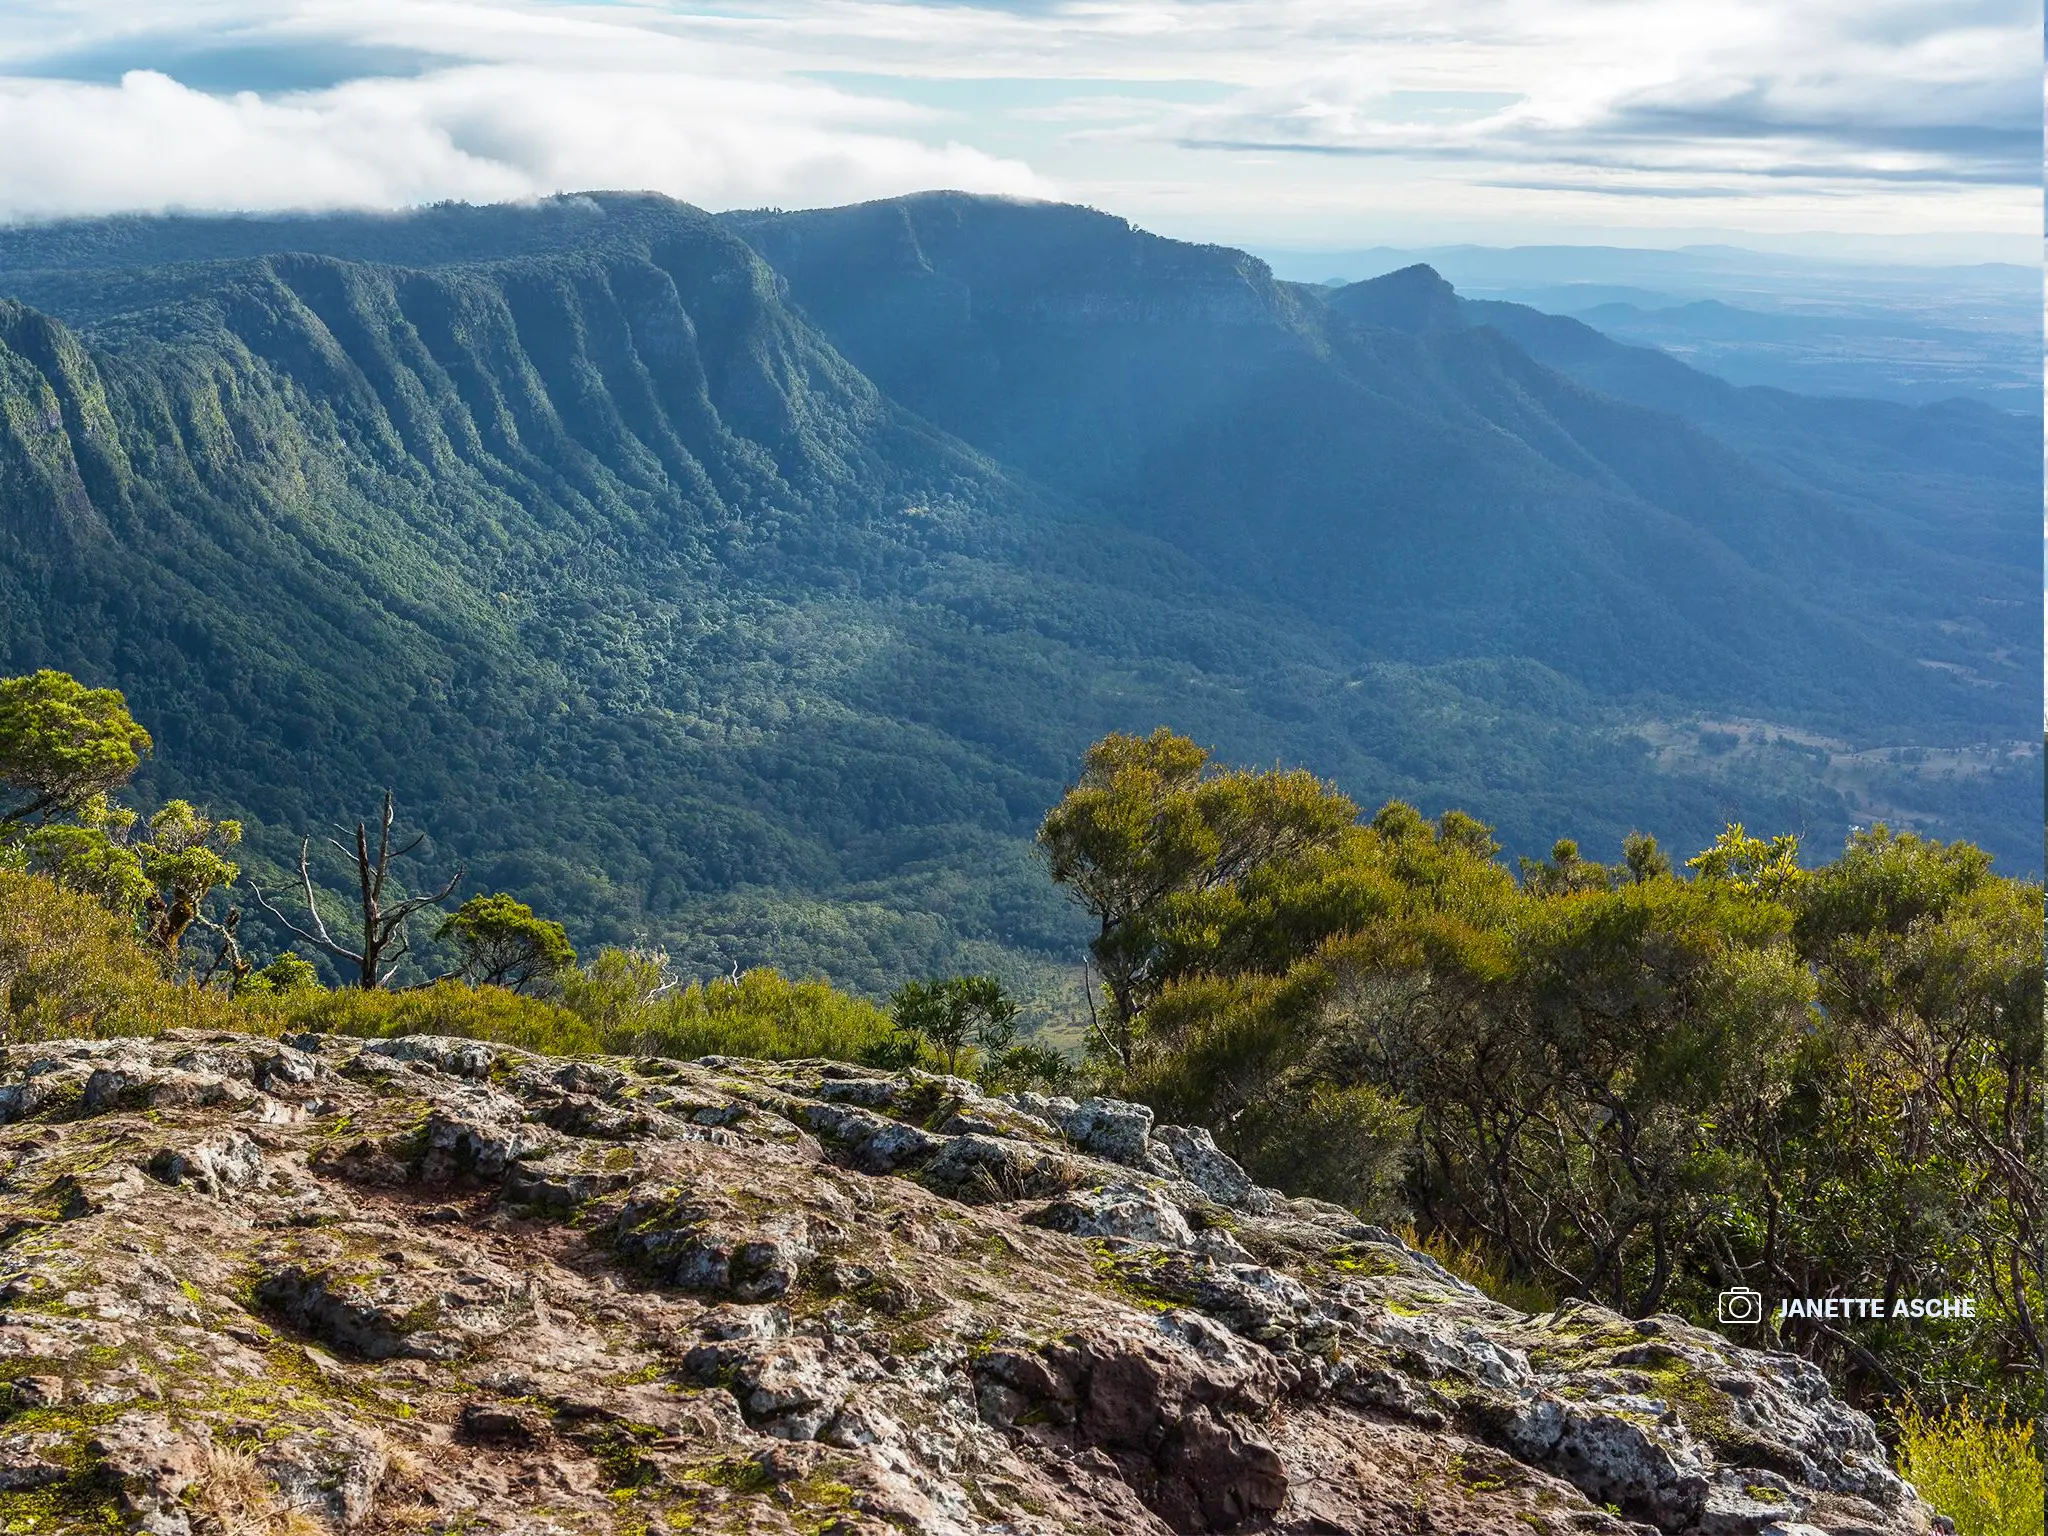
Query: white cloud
point(1338, 117)
point(481, 133)
point(1738, 89)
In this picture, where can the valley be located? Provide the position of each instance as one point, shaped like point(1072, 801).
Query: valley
point(749, 586)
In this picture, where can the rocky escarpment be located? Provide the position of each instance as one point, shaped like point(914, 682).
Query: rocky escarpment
point(433, 1285)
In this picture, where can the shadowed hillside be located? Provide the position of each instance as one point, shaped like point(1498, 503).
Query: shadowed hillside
point(1426, 486)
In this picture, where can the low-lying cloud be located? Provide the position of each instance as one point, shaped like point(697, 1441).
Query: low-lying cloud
point(479, 133)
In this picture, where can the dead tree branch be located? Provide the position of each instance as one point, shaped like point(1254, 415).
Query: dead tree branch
point(385, 940)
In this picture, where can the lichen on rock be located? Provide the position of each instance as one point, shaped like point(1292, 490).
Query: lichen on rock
point(435, 1285)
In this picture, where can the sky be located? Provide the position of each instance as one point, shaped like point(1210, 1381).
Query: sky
point(1884, 128)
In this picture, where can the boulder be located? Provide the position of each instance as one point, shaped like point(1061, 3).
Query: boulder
point(216, 1165)
point(706, 1244)
point(1117, 1210)
point(25, 1463)
point(1111, 1129)
point(986, 1170)
point(150, 1462)
point(1206, 1166)
point(331, 1475)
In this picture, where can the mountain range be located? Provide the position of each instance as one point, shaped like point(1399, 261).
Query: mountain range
point(750, 584)
point(1832, 324)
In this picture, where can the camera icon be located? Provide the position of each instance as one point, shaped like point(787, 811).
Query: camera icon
point(1739, 1304)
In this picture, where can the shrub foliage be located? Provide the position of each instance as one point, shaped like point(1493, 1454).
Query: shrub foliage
point(1627, 1082)
point(1982, 1474)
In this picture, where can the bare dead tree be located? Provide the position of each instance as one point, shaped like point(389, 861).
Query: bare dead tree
point(385, 941)
point(645, 951)
point(229, 963)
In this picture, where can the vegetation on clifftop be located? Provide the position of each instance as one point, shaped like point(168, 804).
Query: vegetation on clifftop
point(1635, 1082)
point(1641, 1083)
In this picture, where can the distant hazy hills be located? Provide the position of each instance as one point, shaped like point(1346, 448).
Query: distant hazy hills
point(1912, 333)
point(753, 583)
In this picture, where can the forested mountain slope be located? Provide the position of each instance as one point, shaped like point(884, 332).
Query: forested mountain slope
point(762, 612)
point(1422, 483)
point(1956, 474)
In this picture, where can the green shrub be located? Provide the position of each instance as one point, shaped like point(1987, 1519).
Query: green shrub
point(503, 943)
point(611, 994)
point(966, 1024)
point(447, 1008)
point(287, 973)
point(1476, 1265)
point(1982, 1474)
point(609, 1011)
point(761, 1014)
point(1350, 1145)
point(69, 967)
point(1032, 1065)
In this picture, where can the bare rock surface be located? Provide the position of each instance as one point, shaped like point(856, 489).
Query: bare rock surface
point(436, 1286)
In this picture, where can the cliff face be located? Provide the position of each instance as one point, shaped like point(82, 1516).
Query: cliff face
point(433, 1285)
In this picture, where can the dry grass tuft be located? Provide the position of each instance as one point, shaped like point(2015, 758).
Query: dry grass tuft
point(232, 1497)
point(1476, 1265)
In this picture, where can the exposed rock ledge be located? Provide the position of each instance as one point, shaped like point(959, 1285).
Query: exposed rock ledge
point(433, 1285)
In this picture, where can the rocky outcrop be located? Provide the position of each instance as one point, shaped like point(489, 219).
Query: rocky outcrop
point(433, 1285)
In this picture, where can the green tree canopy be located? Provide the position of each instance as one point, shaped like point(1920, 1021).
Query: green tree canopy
point(1624, 1081)
point(503, 944)
point(64, 750)
point(288, 973)
point(956, 1018)
point(1151, 820)
point(91, 853)
point(184, 860)
point(62, 745)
